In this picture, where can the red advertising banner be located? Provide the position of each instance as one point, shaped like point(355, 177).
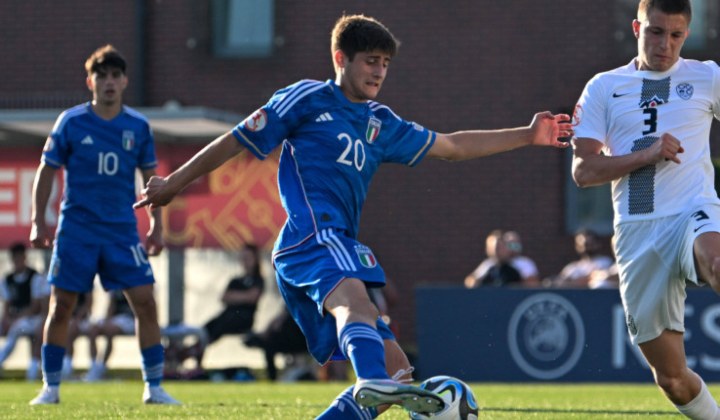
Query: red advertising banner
point(238, 203)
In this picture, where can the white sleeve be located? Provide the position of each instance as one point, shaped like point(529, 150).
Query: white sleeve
point(483, 268)
point(589, 116)
point(39, 287)
point(525, 266)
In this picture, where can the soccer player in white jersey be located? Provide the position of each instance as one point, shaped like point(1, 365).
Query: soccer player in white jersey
point(100, 144)
point(333, 138)
point(645, 128)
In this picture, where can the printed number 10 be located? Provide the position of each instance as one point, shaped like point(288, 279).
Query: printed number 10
point(107, 163)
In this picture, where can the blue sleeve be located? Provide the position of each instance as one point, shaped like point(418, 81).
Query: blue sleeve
point(408, 143)
point(147, 158)
point(264, 129)
point(56, 148)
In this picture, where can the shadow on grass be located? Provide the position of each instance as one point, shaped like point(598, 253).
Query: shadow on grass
point(580, 411)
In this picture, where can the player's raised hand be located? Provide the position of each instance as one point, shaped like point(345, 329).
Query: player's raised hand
point(155, 194)
point(40, 236)
point(548, 128)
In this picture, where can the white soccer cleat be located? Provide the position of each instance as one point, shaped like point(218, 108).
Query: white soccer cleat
point(374, 392)
point(157, 395)
point(48, 395)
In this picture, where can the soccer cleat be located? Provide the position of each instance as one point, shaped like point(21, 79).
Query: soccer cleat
point(374, 392)
point(48, 395)
point(157, 395)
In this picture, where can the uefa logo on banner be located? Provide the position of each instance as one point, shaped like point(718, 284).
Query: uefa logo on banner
point(546, 336)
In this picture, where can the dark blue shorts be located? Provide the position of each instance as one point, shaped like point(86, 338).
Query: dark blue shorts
point(120, 265)
point(309, 272)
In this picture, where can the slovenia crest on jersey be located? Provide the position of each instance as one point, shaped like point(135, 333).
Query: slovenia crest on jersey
point(685, 90)
point(128, 139)
point(366, 257)
point(373, 129)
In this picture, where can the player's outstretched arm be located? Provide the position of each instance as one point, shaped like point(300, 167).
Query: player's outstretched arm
point(159, 191)
point(544, 130)
point(590, 167)
point(40, 236)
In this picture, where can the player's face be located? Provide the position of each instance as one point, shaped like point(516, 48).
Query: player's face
point(107, 85)
point(660, 39)
point(362, 78)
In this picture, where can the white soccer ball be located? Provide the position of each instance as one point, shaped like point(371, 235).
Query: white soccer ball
point(460, 402)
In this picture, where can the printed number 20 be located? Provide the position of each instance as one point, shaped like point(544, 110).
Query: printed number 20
point(356, 148)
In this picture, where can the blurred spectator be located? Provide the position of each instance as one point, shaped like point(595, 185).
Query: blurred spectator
point(605, 279)
point(79, 325)
point(282, 336)
point(240, 298)
point(25, 294)
point(578, 273)
point(491, 244)
point(505, 265)
point(119, 320)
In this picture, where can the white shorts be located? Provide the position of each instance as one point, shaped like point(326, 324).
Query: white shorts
point(655, 258)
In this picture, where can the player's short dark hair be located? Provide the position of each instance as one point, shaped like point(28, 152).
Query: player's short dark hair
point(105, 57)
point(360, 33)
point(17, 248)
point(671, 7)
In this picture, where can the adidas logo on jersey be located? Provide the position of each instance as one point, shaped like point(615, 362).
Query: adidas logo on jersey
point(324, 117)
point(87, 140)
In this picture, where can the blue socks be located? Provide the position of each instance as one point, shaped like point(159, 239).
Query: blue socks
point(52, 360)
point(153, 363)
point(344, 407)
point(362, 345)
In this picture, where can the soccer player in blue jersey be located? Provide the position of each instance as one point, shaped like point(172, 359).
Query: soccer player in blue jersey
point(333, 137)
point(100, 145)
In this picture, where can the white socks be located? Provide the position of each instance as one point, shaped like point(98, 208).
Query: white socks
point(702, 407)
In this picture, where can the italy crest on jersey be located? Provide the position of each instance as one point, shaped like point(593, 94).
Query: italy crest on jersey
point(128, 139)
point(373, 129)
point(365, 255)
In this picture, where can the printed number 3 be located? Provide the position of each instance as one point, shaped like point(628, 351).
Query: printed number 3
point(651, 120)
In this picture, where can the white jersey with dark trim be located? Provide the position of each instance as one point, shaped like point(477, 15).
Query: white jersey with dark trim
point(627, 110)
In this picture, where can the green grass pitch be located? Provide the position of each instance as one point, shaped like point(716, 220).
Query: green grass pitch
point(305, 400)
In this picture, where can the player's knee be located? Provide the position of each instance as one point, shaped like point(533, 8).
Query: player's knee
point(144, 306)
point(672, 385)
point(146, 313)
point(61, 311)
point(714, 279)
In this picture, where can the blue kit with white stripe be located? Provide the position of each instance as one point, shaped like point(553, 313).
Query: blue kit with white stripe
point(97, 227)
point(331, 148)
